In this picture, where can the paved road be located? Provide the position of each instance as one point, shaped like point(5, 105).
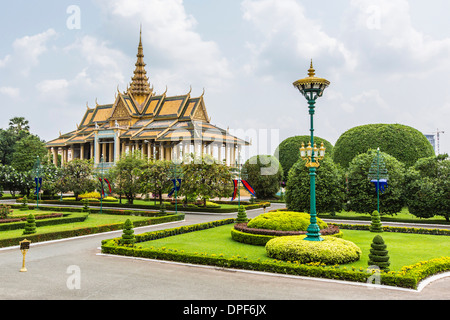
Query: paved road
point(75, 270)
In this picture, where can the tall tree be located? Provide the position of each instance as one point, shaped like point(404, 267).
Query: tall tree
point(26, 152)
point(127, 173)
point(206, 179)
point(19, 124)
point(77, 177)
point(156, 177)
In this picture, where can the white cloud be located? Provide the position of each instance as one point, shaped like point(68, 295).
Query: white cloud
point(4, 61)
point(287, 34)
point(49, 86)
point(28, 49)
point(10, 91)
point(169, 31)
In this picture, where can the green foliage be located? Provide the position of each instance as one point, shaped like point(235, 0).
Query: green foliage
point(126, 174)
point(30, 226)
point(162, 208)
point(26, 151)
point(427, 188)
point(242, 215)
point(5, 211)
point(24, 203)
point(284, 221)
point(77, 176)
point(362, 195)
point(376, 225)
point(128, 238)
point(378, 254)
point(264, 175)
point(404, 143)
point(330, 186)
point(288, 152)
point(205, 179)
point(331, 251)
point(156, 177)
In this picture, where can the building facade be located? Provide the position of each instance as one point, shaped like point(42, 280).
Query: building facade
point(159, 126)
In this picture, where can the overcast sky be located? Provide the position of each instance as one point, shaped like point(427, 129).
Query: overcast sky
point(388, 61)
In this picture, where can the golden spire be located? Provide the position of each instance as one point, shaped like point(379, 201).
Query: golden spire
point(311, 71)
point(140, 86)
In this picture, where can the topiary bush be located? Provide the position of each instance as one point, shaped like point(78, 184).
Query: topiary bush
point(128, 238)
point(330, 187)
point(288, 152)
point(331, 251)
point(242, 215)
point(30, 226)
point(264, 174)
point(376, 225)
point(427, 188)
point(284, 221)
point(404, 143)
point(378, 254)
point(361, 193)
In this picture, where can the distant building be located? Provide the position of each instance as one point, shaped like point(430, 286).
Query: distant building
point(432, 139)
point(160, 127)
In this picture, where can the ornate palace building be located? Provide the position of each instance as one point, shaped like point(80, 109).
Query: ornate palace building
point(160, 127)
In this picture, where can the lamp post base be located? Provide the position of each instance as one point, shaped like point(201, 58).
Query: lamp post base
point(313, 233)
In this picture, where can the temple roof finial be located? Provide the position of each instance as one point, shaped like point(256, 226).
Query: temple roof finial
point(140, 85)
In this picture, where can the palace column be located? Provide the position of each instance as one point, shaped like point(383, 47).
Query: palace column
point(55, 156)
point(82, 151)
point(161, 151)
point(219, 152)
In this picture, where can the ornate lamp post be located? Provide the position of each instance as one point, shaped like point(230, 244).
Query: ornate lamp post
point(312, 88)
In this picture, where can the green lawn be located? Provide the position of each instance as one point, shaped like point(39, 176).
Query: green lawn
point(404, 249)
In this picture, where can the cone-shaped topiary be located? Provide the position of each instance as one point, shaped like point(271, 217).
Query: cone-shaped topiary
point(376, 225)
point(162, 208)
point(30, 226)
point(378, 254)
point(242, 215)
point(128, 234)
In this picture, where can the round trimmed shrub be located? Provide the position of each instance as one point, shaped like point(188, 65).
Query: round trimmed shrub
point(404, 143)
point(330, 187)
point(288, 152)
point(284, 221)
point(330, 251)
point(362, 194)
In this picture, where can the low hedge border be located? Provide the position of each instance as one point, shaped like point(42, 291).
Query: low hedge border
point(409, 277)
point(156, 207)
point(87, 231)
point(437, 232)
point(259, 237)
point(50, 220)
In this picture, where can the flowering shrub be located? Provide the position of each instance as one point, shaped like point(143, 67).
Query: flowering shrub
point(330, 251)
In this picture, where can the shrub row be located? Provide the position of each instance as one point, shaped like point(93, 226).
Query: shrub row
point(409, 277)
point(91, 230)
point(51, 221)
point(37, 217)
point(259, 237)
point(168, 207)
point(437, 232)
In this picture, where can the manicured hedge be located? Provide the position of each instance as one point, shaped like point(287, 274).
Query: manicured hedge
point(157, 207)
point(330, 251)
point(91, 230)
point(402, 142)
point(259, 237)
point(408, 277)
point(50, 221)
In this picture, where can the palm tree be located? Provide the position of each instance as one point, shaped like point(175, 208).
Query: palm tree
point(18, 124)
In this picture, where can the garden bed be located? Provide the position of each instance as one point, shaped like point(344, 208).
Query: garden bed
point(205, 249)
